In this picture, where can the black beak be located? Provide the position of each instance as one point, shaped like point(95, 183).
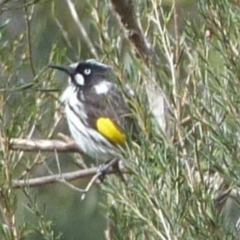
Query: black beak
point(66, 69)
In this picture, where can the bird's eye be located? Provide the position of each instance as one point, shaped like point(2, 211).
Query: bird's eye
point(87, 71)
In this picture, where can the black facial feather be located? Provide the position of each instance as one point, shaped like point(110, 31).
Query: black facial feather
point(82, 66)
point(92, 73)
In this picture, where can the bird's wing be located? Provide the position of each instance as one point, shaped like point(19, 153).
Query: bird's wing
point(109, 114)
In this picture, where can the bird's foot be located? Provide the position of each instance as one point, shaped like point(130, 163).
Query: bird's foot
point(114, 165)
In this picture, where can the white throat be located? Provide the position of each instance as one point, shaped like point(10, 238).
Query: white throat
point(68, 92)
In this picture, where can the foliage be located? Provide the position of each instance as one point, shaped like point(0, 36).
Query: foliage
point(183, 179)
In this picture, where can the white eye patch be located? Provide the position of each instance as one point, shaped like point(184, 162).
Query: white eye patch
point(79, 79)
point(87, 71)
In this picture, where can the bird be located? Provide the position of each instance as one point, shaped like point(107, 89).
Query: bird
point(98, 115)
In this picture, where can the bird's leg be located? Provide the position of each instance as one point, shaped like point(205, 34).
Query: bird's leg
point(117, 168)
point(114, 164)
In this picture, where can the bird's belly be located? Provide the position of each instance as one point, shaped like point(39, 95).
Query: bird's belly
point(88, 139)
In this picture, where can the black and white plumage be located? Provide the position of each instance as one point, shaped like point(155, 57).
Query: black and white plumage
point(91, 94)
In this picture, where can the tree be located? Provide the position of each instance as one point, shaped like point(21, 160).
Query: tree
point(182, 176)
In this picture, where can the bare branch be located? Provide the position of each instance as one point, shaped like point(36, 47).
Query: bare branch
point(60, 146)
point(81, 28)
point(28, 19)
point(37, 182)
point(125, 10)
point(42, 145)
point(158, 101)
point(67, 177)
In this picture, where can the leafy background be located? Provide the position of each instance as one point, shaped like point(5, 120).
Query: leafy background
point(184, 178)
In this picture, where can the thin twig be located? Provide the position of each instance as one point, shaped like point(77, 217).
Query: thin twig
point(36, 160)
point(70, 176)
point(81, 28)
point(176, 32)
point(64, 33)
point(28, 18)
point(62, 180)
point(100, 172)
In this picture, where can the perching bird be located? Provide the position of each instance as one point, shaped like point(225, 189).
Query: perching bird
point(98, 116)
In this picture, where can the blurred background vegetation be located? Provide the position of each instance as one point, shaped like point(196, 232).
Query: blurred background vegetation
point(184, 181)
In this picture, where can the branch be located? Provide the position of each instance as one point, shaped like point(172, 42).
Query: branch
point(60, 146)
point(81, 28)
point(42, 145)
point(125, 10)
point(67, 177)
point(158, 102)
point(28, 19)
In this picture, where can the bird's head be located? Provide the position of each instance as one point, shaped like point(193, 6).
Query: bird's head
point(85, 74)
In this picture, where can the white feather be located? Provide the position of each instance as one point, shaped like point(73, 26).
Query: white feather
point(85, 136)
point(79, 79)
point(103, 87)
point(67, 92)
point(74, 65)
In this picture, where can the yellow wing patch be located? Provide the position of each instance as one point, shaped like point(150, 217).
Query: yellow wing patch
point(109, 130)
